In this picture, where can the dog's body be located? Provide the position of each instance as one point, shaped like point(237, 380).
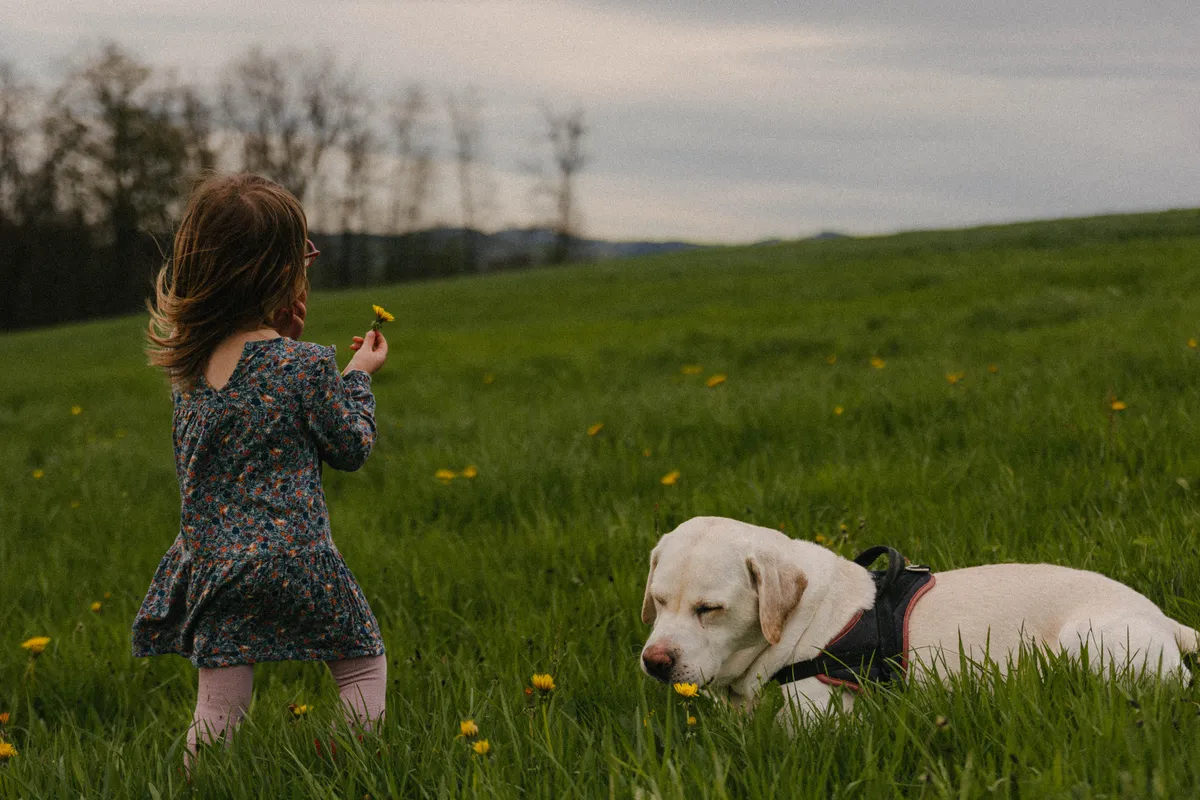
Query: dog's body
point(733, 603)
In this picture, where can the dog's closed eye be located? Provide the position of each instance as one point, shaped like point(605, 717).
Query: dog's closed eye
point(707, 608)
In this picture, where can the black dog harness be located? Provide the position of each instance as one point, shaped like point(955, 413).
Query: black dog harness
point(874, 645)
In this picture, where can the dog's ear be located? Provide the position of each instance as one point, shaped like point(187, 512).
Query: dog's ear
point(779, 585)
point(649, 612)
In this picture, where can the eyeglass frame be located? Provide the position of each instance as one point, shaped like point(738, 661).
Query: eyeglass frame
point(310, 257)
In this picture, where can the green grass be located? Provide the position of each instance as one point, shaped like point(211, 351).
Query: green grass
point(537, 564)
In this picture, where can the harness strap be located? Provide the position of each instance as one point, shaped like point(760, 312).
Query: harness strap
point(873, 645)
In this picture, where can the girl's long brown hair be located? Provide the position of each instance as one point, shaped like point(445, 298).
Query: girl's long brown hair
point(238, 259)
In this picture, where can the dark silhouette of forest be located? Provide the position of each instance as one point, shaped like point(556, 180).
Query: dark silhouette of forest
point(95, 171)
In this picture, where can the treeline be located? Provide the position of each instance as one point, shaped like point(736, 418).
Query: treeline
point(94, 173)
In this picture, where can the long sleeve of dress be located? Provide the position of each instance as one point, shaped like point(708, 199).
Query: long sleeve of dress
point(340, 414)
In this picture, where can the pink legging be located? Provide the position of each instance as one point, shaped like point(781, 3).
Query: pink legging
point(224, 696)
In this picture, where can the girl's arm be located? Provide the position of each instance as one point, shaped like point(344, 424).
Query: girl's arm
point(340, 414)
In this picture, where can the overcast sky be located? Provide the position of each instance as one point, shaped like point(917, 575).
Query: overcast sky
point(737, 120)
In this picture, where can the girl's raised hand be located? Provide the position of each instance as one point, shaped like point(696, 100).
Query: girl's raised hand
point(370, 352)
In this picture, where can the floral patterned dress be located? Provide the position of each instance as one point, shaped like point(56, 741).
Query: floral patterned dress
point(254, 574)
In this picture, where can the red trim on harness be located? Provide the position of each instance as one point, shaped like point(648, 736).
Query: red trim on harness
point(828, 681)
point(836, 681)
point(907, 613)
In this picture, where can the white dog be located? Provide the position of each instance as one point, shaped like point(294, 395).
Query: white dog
point(733, 604)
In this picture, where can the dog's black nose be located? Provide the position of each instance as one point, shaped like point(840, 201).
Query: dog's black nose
point(658, 662)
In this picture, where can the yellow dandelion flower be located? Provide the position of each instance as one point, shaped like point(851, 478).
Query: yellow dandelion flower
point(838, 411)
point(993, 368)
point(1192, 343)
point(647, 453)
point(76, 410)
point(691, 369)
point(3, 717)
point(843, 527)
point(594, 429)
point(820, 538)
point(38, 474)
point(691, 720)
point(298, 710)
point(468, 728)
point(381, 316)
point(953, 378)
point(481, 748)
point(715, 381)
point(1117, 405)
point(7, 751)
point(670, 479)
point(686, 689)
point(95, 607)
point(36, 645)
point(445, 475)
point(941, 723)
point(877, 362)
point(470, 471)
point(488, 379)
point(108, 595)
point(544, 683)
point(831, 359)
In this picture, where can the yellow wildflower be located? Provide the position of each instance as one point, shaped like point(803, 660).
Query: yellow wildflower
point(691, 720)
point(544, 683)
point(444, 475)
point(297, 710)
point(877, 362)
point(1192, 343)
point(470, 471)
point(488, 379)
point(36, 645)
point(687, 689)
point(993, 368)
point(831, 359)
point(670, 479)
point(715, 381)
point(3, 717)
point(468, 728)
point(38, 474)
point(1117, 405)
point(108, 595)
point(843, 527)
point(941, 723)
point(691, 369)
point(76, 410)
point(838, 411)
point(381, 316)
point(953, 378)
point(7, 751)
point(646, 453)
point(594, 429)
point(820, 538)
point(481, 748)
point(95, 607)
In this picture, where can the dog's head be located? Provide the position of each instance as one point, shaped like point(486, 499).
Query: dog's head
point(718, 594)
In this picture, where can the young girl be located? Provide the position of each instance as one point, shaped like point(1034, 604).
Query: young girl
point(253, 574)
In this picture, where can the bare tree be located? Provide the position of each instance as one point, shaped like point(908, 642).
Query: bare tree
point(288, 111)
point(413, 175)
point(564, 133)
point(15, 101)
point(474, 185)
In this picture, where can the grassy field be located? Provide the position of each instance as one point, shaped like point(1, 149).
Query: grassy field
point(985, 432)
